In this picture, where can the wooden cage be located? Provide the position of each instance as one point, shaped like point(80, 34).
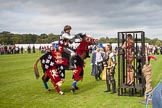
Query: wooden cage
point(139, 60)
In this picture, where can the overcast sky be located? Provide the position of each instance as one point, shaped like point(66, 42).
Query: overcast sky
point(94, 17)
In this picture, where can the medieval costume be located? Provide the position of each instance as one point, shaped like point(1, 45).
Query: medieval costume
point(54, 63)
point(129, 55)
point(110, 70)
point(67, 52)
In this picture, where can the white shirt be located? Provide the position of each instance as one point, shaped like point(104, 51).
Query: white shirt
point(66, 36)
point(99, 57)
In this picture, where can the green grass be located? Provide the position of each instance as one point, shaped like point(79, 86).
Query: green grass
point(20, 89)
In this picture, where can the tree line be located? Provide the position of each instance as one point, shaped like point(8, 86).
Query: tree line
point(7, 38)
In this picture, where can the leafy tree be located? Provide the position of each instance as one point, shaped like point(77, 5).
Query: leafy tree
point(52, 37)
point(158, 43)
point(6, 38)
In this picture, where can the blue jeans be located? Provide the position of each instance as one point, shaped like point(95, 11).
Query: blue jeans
point(157, 97)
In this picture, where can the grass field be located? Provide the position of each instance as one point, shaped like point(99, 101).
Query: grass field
point(20, 89)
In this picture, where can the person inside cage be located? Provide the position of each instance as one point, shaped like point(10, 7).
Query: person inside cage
point(129, 55)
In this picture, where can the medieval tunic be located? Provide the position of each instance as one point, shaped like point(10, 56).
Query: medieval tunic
point(129, 54)
point(111, 61)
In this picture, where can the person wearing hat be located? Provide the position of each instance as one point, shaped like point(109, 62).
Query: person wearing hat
point(64, 40)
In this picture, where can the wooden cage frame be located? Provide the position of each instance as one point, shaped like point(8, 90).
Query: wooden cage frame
point(139, 60)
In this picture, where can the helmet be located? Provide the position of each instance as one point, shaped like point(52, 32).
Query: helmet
point(67, 27)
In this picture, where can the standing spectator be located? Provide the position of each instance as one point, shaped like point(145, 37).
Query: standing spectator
point(5, 49)
point(156, 51)
point(40, 48)
point(161, 50)
point(0, 49)
point(97, 63)
point(22, 49)
point(153, 50)
point(33, 49)
point(9, 49)
point(25, 50)
point(12, 49)
point(29, 49)
point(16, 50)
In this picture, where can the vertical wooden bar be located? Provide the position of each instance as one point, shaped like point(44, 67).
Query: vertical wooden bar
point(119, 71)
